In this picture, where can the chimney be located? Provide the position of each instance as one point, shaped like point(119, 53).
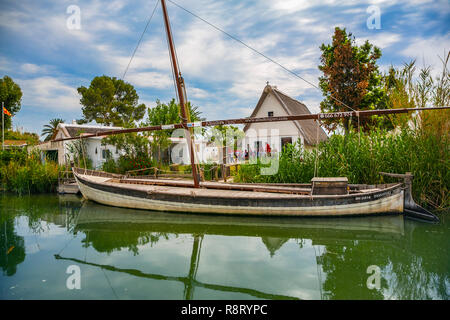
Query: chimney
point(74, 121)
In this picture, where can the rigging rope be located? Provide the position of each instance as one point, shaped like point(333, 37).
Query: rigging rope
point(258, 52)
point(137, 46)
point(75, 224)
point(140, 40)
point(109, 283)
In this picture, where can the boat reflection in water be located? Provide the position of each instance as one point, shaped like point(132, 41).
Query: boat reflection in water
point(333, 241)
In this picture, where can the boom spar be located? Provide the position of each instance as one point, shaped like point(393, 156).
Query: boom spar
point(316, 116)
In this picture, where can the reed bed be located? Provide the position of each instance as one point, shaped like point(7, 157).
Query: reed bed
point(24, 173)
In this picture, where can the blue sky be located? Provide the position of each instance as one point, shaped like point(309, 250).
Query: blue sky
point(225, 79)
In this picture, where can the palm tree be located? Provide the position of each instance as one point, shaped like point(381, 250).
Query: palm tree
point(50, 129)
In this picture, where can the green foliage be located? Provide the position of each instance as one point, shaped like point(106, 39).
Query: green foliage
point(110, 101)
point(209, 171)
point(362, 157)
point(351, 76)
point(128, 163)
point(11, 95)
point(132, 144)
point(16, 155)
point(163, 114)
point(29, 137)
point(110, 166)
point(78, 150)
point(50, 129)
point(25, 174)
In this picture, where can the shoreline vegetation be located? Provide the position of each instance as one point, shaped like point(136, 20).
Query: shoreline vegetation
point(24, 173)
point(424, 151)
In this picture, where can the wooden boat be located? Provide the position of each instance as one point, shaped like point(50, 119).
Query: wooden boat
point(251, 199)
point(323, 197)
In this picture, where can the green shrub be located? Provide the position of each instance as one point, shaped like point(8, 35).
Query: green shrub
point(28, 178)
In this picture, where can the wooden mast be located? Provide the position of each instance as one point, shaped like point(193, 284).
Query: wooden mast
point(181, 93)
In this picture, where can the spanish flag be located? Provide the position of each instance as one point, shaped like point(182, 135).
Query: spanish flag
point(6, 112)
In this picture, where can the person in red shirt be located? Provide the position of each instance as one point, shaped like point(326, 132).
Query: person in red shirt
point(268, 149)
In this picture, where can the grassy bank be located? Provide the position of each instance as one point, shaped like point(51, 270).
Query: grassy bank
point(361, 158)
point(24, 173)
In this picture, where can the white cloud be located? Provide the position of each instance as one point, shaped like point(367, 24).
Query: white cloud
point(198, 93)
point(31, 68)
point(150, 79)
point(428, 51)
point(381, 40)
point(49, 93)
point(245, 112)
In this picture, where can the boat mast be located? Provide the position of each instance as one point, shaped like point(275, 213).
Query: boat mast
point(181, 93)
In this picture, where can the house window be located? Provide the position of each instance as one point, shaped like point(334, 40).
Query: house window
point(106, 154)
point(285, 141)
point(270, 114)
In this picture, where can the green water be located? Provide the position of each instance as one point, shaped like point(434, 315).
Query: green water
point(129, 254)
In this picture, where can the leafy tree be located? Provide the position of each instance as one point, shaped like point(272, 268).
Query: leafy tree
point(167, 114)
point(110, 101)
point(134, 145)
point(50, 129)
point(351, 76)
point(11, 95)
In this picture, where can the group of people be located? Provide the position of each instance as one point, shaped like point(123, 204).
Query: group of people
point(239, 155)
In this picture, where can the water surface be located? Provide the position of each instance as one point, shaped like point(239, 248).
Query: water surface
point(132, 254)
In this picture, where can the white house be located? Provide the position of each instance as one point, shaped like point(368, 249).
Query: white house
point(274, 103)
point(98, 153)
point(94, 149)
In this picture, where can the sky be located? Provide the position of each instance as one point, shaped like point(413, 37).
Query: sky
point(50, 48)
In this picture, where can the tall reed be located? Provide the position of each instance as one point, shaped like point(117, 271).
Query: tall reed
point(24, 173)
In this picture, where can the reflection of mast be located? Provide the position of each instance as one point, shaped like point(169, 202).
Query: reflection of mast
point(189, 281)
point(195, 260)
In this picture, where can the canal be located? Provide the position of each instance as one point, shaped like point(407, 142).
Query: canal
point(61, 247)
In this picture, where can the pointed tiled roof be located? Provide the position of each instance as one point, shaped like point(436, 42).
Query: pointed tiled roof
point(309, 128)
point(74, 130)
